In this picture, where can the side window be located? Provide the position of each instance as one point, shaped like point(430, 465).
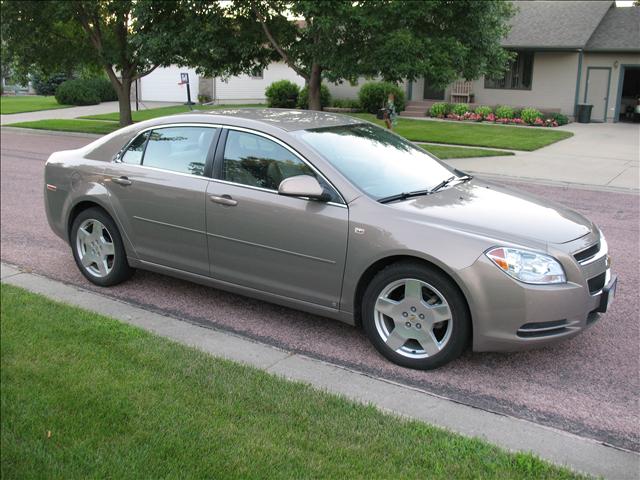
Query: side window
point(133, 154)
point(259, 162)
point(180, 149)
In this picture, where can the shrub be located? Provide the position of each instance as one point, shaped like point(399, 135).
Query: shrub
point(460, 108)
point(504, 111)
point(76, 92)
point(282, 94)
point(530, 115)
point(373, 96)
point(346, 103)
point(440, 109)
point(47, 84)
point(204, 98)
point(303, 97)
point(559, 118)
point(102, 86)
point(483, 110)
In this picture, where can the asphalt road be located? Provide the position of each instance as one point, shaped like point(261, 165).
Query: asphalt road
point(588, 385)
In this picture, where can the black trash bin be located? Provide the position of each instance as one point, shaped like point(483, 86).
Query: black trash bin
point(584, 113)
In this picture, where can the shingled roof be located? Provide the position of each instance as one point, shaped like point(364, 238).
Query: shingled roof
point(618, 31)
point(555, 25)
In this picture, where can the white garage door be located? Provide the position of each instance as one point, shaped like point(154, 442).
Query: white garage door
point(161, 85)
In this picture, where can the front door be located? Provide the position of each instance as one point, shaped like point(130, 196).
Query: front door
point(432, 93)
point(157, 190)
point(287, 246)
point(597, 92)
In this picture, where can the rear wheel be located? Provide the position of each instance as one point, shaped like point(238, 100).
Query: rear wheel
point(98, 248)
point(415, 316)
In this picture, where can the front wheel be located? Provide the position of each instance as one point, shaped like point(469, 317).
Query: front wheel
point(98, 249)
point(415, 316)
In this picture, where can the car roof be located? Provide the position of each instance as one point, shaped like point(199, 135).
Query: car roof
point(288, 120)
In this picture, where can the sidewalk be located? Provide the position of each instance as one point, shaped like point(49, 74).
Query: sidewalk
point(73, 112)
point(556, 446)
point(605, 155)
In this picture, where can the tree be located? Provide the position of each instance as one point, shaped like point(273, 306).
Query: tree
point(127, 39)
point(394, 39)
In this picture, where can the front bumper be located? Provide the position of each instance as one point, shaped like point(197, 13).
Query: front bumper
point(509, 315)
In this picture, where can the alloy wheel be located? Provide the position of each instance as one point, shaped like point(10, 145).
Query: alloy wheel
point(413, 318)
point(94, 245)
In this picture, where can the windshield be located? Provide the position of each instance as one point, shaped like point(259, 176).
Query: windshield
point(375, 160)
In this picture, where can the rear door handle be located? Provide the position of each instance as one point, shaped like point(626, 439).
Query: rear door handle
point(124, 181)
point(225, 200)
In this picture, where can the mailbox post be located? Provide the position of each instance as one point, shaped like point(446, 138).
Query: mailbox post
point(184, 80)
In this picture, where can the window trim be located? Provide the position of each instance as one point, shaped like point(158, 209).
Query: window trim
point(219, 159)
point(521, 89)
point(216, 156)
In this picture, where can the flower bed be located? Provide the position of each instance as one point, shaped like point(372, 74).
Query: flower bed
point(501, 114)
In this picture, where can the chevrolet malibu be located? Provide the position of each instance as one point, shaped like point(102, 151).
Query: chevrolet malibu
point(334, 216)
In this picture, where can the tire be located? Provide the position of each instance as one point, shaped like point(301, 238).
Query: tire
point(98, 248)
point(415, 316)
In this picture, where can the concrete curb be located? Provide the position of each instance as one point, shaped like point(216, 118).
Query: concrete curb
point(580, 454)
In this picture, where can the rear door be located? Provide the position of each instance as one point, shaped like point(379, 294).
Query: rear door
point(157, 189)
point(289, 246)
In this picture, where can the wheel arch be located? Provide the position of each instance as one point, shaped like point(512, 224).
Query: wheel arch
point(384, 262)
point(79, 207)
point(84, 203)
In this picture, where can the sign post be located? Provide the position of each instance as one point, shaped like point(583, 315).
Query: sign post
point(184, 80)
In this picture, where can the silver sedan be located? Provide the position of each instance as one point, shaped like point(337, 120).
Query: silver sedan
point(335, 216)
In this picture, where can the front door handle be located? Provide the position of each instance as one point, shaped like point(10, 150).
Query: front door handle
point(225, 200)
point(124, 181)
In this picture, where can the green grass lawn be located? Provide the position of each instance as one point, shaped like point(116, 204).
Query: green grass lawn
point(444, 152)
point(474, 134)
point(142, 115)
point(27, 103)
point(84, 396)
point(69, 125)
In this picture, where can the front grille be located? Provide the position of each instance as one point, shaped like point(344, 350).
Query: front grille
point(542, 329)
point(597, 283)
point(592, 251)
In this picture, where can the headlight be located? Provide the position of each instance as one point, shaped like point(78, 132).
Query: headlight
point(526, 266)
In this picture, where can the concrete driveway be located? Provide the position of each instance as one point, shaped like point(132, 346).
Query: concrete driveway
point(605, 155)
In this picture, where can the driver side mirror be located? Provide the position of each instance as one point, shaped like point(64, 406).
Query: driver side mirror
point(303, 186)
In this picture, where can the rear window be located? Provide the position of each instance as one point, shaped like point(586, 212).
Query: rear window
point(179, 149)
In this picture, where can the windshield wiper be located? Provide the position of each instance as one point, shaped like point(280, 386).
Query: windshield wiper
point(442, 184)
point(404, 196)
point(417, 193)
point(463, 178)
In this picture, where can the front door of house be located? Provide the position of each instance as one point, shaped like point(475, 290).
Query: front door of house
point(432, 93)
point(597, 92)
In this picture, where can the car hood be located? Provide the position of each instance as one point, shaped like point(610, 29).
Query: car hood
point(489, 209)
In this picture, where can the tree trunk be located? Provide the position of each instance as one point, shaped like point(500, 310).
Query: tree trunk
point(124, 102)
point(315, 81)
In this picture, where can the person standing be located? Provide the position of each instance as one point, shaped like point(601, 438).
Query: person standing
point(390, 114)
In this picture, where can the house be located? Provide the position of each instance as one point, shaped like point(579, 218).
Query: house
point(567, 53)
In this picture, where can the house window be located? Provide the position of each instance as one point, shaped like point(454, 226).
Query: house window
point(258, 75)
point(517, 77)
